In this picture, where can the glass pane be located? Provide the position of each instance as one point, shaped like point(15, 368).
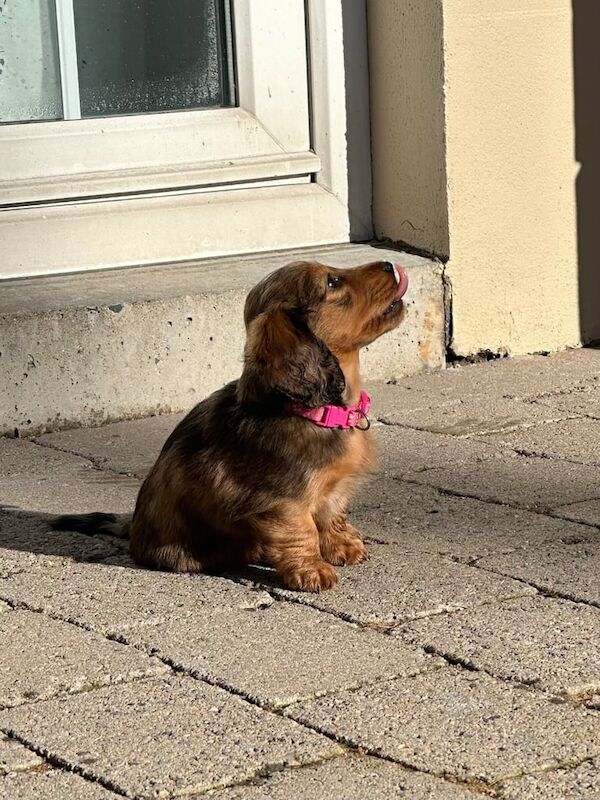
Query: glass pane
point(136, 56)
point(29, 70)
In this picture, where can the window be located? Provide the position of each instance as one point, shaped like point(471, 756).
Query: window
point(138, 131)
point(73, 59)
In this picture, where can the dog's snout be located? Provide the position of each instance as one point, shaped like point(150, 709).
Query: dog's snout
point(387, 266)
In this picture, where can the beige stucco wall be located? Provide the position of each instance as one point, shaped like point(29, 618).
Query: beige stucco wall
point(407, 122)
point(504, 155)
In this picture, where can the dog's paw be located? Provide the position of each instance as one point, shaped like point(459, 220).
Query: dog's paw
point(344, 548)
point(313, 576)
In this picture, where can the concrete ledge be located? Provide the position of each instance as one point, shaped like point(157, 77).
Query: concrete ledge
point(101, 346)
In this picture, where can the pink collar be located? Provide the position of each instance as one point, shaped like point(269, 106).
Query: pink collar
point(343, 417)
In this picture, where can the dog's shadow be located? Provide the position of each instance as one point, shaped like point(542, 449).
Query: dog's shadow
point(29, 532)
point(23, 531)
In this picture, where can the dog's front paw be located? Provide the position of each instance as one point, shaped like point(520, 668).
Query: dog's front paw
point(312, 576)
point(344, 548)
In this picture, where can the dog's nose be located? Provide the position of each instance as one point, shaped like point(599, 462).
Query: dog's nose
point(388, 267)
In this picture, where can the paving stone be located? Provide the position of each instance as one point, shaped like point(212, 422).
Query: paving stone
point(548, 642)
point(113, 599)
point(403, 450)
point(576, 783)
point(15, 757)
point(283, 653)
point(395, 585)
point(26, 539)
point(528, 376)
point(42, 657)
point(530, 482)
point(463, 724)
point(473, 416)
point(379, 491)
point(51, 784)
point(35, 478)
point(350, 778)
point(421, 519)
point(588, 511)
point(167, 736)
point(584, 401)
point(575, 440)
point(414, 392)
point(568, 569)
point(129, 447)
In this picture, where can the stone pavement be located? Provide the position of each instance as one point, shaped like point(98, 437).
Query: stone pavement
point(462, 660)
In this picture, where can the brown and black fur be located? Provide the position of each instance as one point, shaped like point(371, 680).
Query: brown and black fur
point(241, 480)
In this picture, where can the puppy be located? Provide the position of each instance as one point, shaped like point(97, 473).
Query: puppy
point(262, 470)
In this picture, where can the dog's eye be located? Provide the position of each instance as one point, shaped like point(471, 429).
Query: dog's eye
point(333, 282)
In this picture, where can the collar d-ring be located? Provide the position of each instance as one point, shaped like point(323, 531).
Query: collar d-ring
point(365, 419)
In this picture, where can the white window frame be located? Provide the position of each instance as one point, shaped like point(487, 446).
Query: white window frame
point(300, 200)
point(73, 158)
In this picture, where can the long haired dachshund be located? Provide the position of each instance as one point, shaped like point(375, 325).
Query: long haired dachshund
point(262, 470)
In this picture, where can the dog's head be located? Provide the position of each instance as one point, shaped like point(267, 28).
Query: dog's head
point(302, 318)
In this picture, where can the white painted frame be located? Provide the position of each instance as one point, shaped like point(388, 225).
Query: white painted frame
point(73, 158)
point(67, 56)
point(196, 221)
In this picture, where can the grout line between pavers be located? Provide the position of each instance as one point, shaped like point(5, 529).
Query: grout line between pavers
point(262, 772)
point(92, 687)
point(121, 638)
point(274, 708)
point(566, 391)
point(261, 775)
point(541, 454)
point(484, 787)
point(452, 660)
point(546, 512)
point(64, 765)
point(545, 591)
point(471, 436)
point(577, 701)
point(539, 401)
point(387, 628)
point(554, 514)
point(566, 766)
point(525, 426)
point(281, 710)
point(95, 462)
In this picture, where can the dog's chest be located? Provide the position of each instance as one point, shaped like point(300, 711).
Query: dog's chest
point(357, 457)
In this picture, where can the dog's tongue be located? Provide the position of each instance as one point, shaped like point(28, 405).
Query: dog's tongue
point(402, 281)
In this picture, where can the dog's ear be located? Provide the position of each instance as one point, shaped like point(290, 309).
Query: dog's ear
point(284, 359)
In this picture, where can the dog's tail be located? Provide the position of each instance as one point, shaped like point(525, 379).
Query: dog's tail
point(93, 524)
